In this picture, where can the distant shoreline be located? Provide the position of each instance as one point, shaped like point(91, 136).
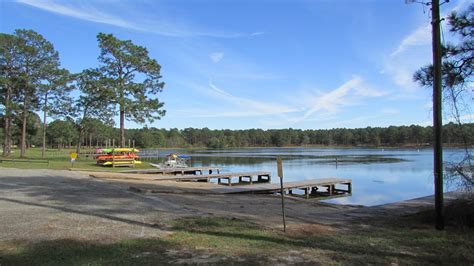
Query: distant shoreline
point(407, 146)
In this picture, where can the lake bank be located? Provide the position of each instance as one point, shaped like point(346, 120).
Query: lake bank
point(379, 175)
point(86, 220)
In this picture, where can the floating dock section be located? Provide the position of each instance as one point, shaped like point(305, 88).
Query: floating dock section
point(176, 171)
point(324, 187)
point(242, 178)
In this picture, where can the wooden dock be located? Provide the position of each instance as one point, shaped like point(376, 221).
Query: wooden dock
point(242, 177)
point(257, 183)
point(325, 187)
point(176, 171)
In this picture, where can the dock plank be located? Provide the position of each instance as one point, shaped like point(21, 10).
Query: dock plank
point(274, 187)
point(184, 170)
point(229, 177)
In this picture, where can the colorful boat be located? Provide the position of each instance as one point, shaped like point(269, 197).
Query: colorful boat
point(173, 161)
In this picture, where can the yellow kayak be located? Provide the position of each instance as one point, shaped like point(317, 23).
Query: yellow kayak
point(121, 162)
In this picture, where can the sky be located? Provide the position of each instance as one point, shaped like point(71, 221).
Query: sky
point(270, 64)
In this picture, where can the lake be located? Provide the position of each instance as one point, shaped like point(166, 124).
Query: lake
point(378, 175)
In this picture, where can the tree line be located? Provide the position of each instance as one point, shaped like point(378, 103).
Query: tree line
point(125, 83)
point(64, 133)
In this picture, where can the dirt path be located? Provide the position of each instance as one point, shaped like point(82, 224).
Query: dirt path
point(50, 204)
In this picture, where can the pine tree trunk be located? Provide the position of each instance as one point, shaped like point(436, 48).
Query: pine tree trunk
point(45, 109)
point(7, 127)
point(6, 140)
point(23, 127)
point(122, 129)
point(79, 142)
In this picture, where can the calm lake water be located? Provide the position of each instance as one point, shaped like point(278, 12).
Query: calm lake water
point(379, 175)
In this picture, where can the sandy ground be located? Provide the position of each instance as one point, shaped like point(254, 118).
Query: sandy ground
point(41, 205)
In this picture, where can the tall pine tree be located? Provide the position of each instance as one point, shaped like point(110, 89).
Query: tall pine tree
point(134, 78)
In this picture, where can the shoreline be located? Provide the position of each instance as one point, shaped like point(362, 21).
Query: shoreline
point(408, 146)
point(89, 221)
point(188, 190)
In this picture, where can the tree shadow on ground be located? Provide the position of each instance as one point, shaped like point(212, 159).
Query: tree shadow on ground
point(87, 213)
point(80, 194)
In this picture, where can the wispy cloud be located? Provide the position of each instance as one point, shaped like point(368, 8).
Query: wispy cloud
point(304, 107)
point(257, 107)
point(325, 106)
point(403, 62)
point(331, 101)
point(216, 57)
point(421, 36)
point(90, 12)
point(84, 13)
point(238, 106)
point(401, 69)
point(347, 94)
point(257, 33)
point(413, 52)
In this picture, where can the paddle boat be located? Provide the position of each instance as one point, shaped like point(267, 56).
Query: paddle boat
point(173, 160)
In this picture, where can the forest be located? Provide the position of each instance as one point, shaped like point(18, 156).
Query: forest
point(63, 133)
point(124, 84)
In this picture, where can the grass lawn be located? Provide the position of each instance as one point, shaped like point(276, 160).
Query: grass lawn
point(405, 240)
point(55, 159)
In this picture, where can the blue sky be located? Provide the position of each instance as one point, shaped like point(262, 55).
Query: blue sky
point(258, 64)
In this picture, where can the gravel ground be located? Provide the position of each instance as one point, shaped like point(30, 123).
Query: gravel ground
point(52, 204)
point(45, 205)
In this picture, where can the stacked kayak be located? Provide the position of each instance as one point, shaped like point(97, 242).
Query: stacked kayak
point(117, 157)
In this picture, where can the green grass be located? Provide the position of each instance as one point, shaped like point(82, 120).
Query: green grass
point(57, 160)
point(71, 252)
point(407, 240)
